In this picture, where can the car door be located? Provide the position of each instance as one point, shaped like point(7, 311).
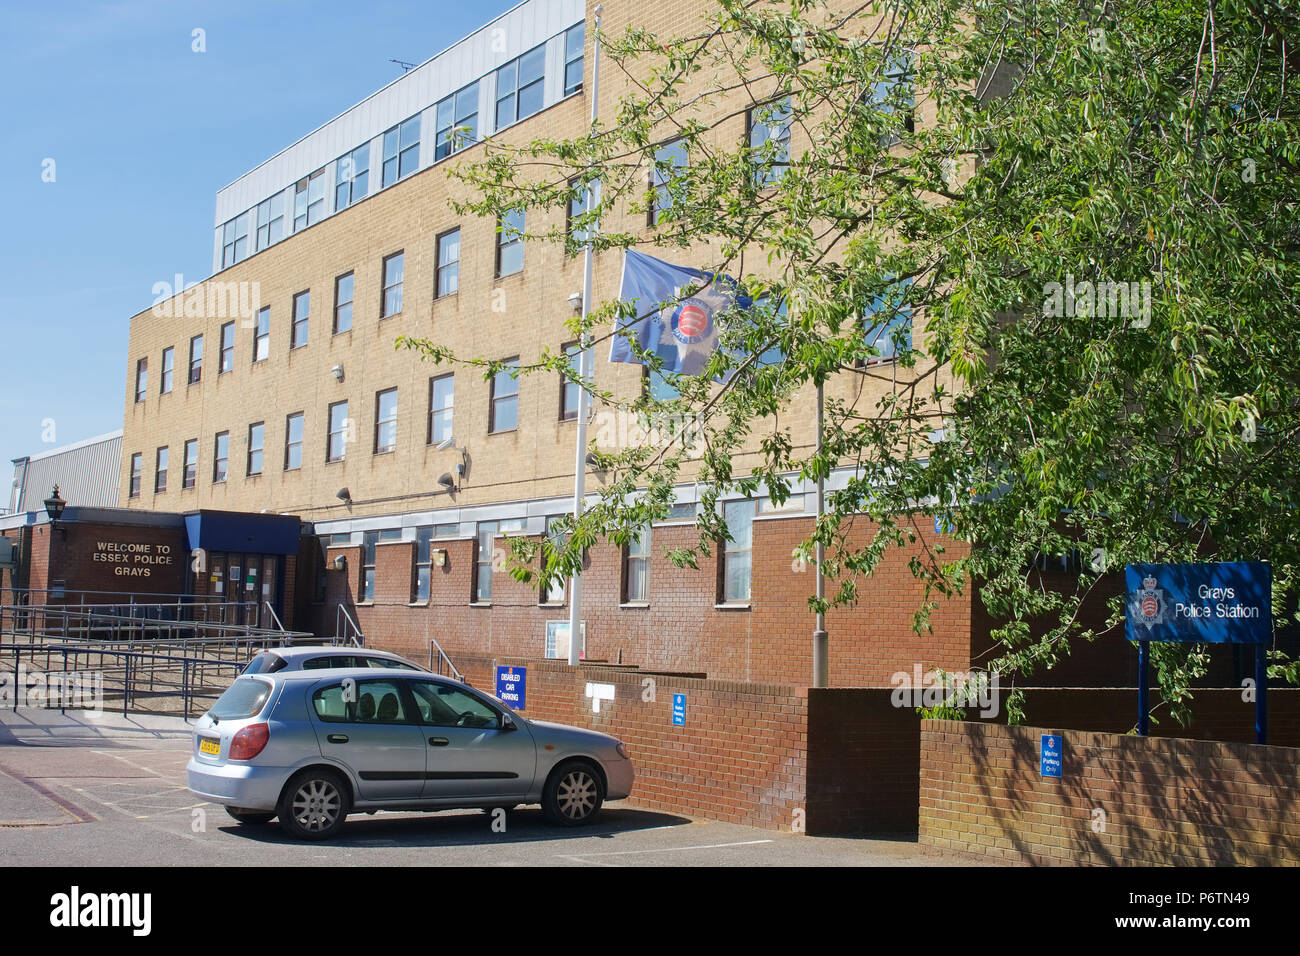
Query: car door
point(368, 725)
point(469, 755)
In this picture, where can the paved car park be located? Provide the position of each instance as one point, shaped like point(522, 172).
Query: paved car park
point(110, 791)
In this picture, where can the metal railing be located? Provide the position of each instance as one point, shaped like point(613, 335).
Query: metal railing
point(275, 617)
point(442, 659)
point(139, 657)
point(356, 638)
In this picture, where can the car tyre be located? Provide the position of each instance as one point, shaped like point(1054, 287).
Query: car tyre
point(573, 794)
point(314, 805)
point(256, 817)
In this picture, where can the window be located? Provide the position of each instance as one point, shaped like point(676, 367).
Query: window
point(160, 471)
point(377, 702)
point(352, 177)
point(487, 532)
point(570, 391)
point(423, 562)
point(503, 414)
point(309, 200)
point(262, 335)
point(683, 511)
point(520, 87)
point(552, 592)
point(894, 95)
point(337, 445)
point(510, 243)
point(401, 150)
point(391, 303)
point(270, 221)
point(457, 122)
point(636, 568)
point(256, 437)
point(887, 325)
point(791, 505)
point(234, 241)
point(343, 303)
point(191, 474)
point(141, 379)
point(137, 469)
point(169, 362)
point(657, 384)
point(672, 156)
point(442, 396)
point(737, 553)
point(769, 138)
point(227, 357)
point(293, 441)
point(578, 208)
point(301, 318)
point(574, 38)
point(451, 530)
point(196, 359)
point(442, 705)
point(221, 457)
point(448, 276)
point(368, 542)
point(386, 421)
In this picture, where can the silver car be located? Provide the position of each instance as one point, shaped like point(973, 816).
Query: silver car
point(306, 657)
point(312, 746)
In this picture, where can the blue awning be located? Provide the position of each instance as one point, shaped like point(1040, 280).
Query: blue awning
point(241, 532)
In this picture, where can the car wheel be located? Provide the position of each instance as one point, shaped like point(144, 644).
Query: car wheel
point(573, 795)
point(314, 805)
point(250, 816)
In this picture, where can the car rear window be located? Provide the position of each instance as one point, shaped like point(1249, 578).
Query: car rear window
point(244, 698)
point(265, 663)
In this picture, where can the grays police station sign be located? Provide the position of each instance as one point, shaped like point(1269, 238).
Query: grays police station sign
point(1224, 603)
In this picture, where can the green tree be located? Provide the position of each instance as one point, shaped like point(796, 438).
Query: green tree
point(968, 164)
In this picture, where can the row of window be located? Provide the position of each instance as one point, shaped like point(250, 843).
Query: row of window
point(520, 88)
point(734, 570)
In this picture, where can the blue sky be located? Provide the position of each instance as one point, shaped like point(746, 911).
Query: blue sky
point(143, 131)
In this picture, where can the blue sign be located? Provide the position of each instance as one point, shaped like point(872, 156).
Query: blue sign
point(679, 709)
point(1050, 761)
point(1225, 603)
point(512, 686)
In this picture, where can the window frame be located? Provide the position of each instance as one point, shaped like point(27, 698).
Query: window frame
point(387, 288)
point(273, 234)
point(729, 548)
point(196, 361)
point(289, 443)
point(262, 334)
point(505, 245)
point(400, 150)
point(381, 422)
point(332, 431)
point(136, 478)
point(218, 475)
point(764, 173)
point(141, 379)
point(494, 398)
point(226, 351)
point(259, 449)
point(190, 469)
point(165, 379)
point(339, 305)
point(640, 556)
point(161, 461)
point(434, 411)
point(369, 543)
point(516, 88)
point(570, 58)
point(444, 143)
point(660, 194)
point(477, 593)
point(297, 321)
point(441, 266)
point(573, 350)
point(340, 183)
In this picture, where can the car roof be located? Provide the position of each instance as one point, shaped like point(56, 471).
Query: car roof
point(358, 672)
point(315, 650)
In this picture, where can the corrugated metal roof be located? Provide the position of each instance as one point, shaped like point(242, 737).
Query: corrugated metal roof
point(88, 473)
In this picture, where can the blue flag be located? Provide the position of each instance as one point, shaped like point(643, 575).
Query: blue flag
point(680, 329)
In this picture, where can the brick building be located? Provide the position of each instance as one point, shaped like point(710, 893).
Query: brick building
point(275, 386)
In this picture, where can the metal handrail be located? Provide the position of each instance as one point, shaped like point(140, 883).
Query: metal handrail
point(275, 617)
point(442, 656)
point(359, 639)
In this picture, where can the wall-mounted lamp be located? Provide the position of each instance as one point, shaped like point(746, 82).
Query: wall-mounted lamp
point(575, 302)
point(438, 556)
point(344, 496)
point(337, 371)
point(54, 506)
point(447, 481)
point(340, 562)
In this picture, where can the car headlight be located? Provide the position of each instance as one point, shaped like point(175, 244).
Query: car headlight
point(622, 751)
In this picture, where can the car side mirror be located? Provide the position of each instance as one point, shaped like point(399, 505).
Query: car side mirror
point(508, 723)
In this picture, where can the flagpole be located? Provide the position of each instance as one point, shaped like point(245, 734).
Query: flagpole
point(821, 640)
point(585, 372)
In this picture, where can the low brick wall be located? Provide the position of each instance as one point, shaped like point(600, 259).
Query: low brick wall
point(740, 757)
point(1121, 800)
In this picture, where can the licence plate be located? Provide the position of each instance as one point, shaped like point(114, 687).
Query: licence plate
point(210, 745)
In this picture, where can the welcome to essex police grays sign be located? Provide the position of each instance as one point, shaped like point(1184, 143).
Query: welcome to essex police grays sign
point(1224, 603)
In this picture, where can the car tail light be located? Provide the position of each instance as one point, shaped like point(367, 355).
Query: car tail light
point(249, 741)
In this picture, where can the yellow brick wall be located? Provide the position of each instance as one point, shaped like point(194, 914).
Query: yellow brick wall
point(488, 317)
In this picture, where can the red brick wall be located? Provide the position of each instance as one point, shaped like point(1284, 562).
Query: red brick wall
point(681, 629)
point(1179, 802)
point(51, 557)
point(740, 756)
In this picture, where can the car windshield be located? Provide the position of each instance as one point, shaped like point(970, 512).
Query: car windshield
point(244, 698)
